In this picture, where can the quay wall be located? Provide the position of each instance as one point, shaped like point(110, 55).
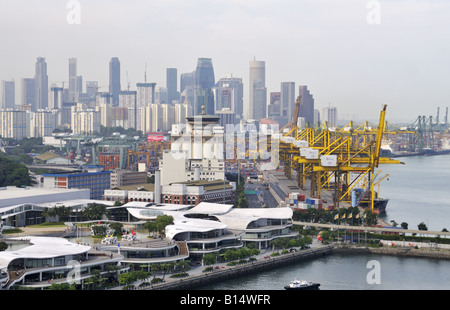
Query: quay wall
point(237, 271)
point(393, 250)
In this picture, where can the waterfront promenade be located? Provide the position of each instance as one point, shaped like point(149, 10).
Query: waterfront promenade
point(222, 272)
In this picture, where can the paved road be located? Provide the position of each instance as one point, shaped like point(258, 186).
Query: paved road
point(263, 199)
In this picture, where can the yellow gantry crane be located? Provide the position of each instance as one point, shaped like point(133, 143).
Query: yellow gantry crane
point(330, 153)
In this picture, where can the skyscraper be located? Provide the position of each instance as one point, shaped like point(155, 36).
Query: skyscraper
point(41, 80)
point(258, 91)
point(8, 95)
point(171, 84)
point(114, 80)
point(204, 74)
point(329, 114)
point(28, 92)
point(73, 80)
point(204, 83)
point(306, 104)
point(287, 100)
point(229, 95)
point(145, 94)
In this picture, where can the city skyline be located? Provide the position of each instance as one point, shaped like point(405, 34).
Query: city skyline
point(330, 47)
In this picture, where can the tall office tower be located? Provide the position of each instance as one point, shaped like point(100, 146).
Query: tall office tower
point(8, 95)
point(287, 99)
point(79, 84)
point(114, 80)
point(41, 79)
point(229, 93)
point(56, 97)
point(145, 93)
point(329, 115)
point(258, 92)
point(28, 92)
point(204, 74)
point(187, 85)
point(73, 80)
point(91, 89)
point(204, 83)
point(187, 79)
point(306, 105)
point(171, 85)
point(203, 97)
point(274, 109)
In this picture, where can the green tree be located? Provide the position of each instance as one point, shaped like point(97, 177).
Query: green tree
point(3, 246)
point(422, 226)
point(94, 211)
point(117, 228)
point(159, 224)
point(209, 259)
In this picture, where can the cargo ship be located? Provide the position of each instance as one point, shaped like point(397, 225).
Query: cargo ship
point(363, 199)
point(379, 204)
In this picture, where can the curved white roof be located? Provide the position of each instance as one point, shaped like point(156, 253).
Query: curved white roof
point(239, 218)
point(183, 224)
point(229, 217)
point(43, 247)
point(211, 208)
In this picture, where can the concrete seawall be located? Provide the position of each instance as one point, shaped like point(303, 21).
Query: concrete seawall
point(241, 270)
point(396, 251)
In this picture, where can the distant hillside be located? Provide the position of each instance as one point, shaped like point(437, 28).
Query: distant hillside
point(13, 173)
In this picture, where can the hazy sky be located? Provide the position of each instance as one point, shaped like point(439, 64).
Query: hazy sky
point(328, 45)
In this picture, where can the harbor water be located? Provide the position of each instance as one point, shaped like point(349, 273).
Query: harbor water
point(418, 191)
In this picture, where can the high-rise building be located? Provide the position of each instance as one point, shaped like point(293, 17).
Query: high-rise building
point(56, 97)
point(85, 121)
point(274, 109)
point(114, 80)
point(171, 85)
point(128, 99)
point(204, 74)
point(204, 83)
point(161, 96)
point(306, 104)
point(258, 91)
point(41, 80)
point(91, 89)
point(28, 92)
point(42, 123)
point(187, 85)
point(187, 79)
point(204, 97)
point(329, 115)
point(229, 93)
point(145, 93)
point(13, 124)
point(287, 99)
point(8, 95)
point(73, 80)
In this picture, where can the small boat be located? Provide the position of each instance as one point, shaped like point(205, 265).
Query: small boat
point(302, 285)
